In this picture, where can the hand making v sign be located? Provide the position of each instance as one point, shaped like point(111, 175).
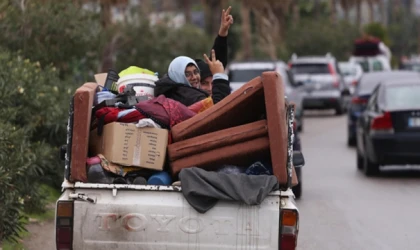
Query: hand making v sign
point(215, 65)
point(225, 22)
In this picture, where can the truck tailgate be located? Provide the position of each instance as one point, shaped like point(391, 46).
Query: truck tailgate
point(143, 219)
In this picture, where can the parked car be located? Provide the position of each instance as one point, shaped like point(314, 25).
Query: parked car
point(412, 64)
point(372, 63)
point(388, 131)
point(362, 92)
point(299, 162)
point(242, 72)
point(323, 83)
point(352, 72)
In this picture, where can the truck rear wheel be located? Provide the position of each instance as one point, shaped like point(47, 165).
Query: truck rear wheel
point(297, 190)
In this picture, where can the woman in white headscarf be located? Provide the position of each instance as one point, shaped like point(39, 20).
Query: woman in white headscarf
point(183, 74)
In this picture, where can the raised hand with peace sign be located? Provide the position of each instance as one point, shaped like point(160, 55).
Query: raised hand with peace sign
point(215, 65)
point(225, 22)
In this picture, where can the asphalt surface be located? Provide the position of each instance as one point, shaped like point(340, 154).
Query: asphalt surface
point(342, 209)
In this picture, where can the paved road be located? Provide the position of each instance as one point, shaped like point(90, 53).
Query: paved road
point(341, 208)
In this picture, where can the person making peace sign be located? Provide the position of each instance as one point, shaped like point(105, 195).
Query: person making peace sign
point(220, 47)
point(183, 79)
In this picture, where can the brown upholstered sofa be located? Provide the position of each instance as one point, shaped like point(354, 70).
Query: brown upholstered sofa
point(260, 100)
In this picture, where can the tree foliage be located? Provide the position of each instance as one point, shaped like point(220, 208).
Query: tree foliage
point(154, 47)
point(320, 37)
point(55, 32)
point(32, 99)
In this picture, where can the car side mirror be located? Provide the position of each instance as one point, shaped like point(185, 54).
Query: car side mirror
point(298, 159)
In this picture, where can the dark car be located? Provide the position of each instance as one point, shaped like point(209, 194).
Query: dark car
point(388, 131)
point(298, 157)
point(362, 92)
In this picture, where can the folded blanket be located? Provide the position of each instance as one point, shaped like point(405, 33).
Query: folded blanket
point(203, 189)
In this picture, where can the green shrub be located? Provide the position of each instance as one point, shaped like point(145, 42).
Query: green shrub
point(55, 32)
point(154, 47)
point(319, 37)
point(33, 116)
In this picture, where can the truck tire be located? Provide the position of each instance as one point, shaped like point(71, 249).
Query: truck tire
point(297, 190)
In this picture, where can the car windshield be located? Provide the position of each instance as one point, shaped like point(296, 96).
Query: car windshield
point(364, 65)
point(245, 75)
point(347, 69)
point(402, 97)
point(370, 64)
point(310, 68)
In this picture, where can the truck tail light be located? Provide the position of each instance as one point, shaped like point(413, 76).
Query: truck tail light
point(289, 229)
point(64, 225)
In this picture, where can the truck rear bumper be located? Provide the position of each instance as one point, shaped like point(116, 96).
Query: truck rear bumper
point(159, 217)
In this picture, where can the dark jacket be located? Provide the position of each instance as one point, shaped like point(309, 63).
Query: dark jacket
point(188, 95)
point(221, 49)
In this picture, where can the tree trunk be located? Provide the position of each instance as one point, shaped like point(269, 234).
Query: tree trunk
point(268, 26)
point(345, 5)
point(246, 32)
point(216, 11)
point(106, 14)
point(333, 9)
point(186, 4)
point(371, 12)
point(278, 11)
point(382, 10)
point(359, 13)
point(168, 5)
point(146, 7)
point(296, 13)
point(317, 8)
point(396, 8)
point(212, 11)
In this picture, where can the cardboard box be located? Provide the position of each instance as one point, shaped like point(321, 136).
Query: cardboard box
point(127, 145)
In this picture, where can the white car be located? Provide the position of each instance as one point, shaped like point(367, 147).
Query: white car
point(372, 63)
point(243, 72)
point(352, 72)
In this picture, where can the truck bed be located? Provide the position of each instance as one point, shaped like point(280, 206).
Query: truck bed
point(159, 217)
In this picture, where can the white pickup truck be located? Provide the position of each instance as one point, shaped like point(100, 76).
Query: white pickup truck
point(126, 216)
point(104, 216)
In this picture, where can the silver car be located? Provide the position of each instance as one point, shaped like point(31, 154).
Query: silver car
point(323, 82)
point(242, 72)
